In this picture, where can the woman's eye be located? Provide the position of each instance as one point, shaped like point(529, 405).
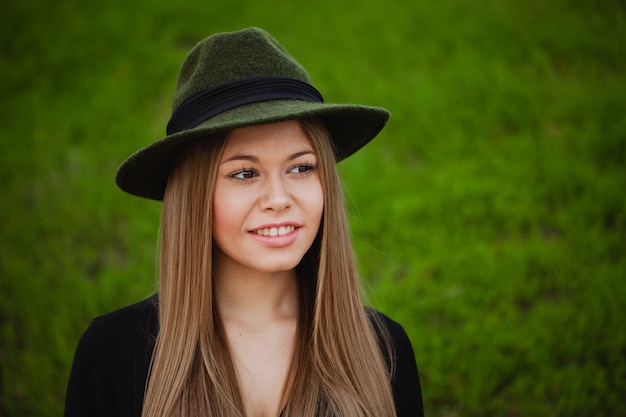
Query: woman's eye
point(303, 169)
point(244, 174)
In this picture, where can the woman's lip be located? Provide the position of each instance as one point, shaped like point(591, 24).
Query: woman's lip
point(275, 229)
point(274, 236)
point(281, 224)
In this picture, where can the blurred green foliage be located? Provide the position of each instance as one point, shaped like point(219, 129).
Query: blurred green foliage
point(489, 217)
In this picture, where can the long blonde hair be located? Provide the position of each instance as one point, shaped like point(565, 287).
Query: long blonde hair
point(338, 368)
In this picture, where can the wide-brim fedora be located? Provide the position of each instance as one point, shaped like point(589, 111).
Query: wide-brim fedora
point(238, 79)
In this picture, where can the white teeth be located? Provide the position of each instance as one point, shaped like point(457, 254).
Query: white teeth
point(275, 231)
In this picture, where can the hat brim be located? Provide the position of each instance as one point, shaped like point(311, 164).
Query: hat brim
point(145, 173)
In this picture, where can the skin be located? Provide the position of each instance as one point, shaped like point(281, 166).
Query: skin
point(267, 211)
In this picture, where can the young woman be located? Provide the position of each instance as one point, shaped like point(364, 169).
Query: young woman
point(258, 312)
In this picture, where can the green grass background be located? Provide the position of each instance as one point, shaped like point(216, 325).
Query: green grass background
point(489, 217)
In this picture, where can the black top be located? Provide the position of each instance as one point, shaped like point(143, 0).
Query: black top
point(110, 369)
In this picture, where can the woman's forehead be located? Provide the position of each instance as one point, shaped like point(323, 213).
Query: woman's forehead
point(283, 138)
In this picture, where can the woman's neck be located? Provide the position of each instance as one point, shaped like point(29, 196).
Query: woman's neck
point(259, 311)
point(254, 297)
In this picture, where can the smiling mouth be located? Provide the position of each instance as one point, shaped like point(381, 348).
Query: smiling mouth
point(275, 231)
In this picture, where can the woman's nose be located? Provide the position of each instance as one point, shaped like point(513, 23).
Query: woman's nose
point(276, 195)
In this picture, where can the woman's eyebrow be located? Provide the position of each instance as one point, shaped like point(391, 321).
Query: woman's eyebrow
point(241, 157)
point(299, 154)
point(253, 158)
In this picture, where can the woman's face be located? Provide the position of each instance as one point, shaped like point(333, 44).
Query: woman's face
point(268, 199)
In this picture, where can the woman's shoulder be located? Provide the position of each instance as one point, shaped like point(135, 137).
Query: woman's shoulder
point(140, 313)
point(386, 327)
point(140, 316)
point(134, 323)
point(398, 353)
point(111, 362)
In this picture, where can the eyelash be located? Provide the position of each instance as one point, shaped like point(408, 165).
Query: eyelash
point(308, 170)
point(243, 171)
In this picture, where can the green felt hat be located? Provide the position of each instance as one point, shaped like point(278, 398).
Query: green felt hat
point(238, 79)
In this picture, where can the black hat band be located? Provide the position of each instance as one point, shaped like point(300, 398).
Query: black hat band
point(205, 104)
